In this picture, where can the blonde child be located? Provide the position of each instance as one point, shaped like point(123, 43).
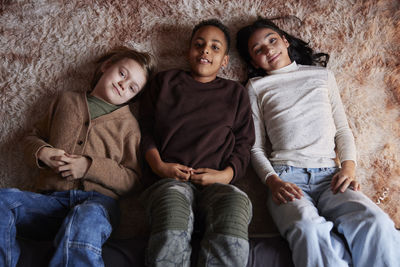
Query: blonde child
point(86, 148)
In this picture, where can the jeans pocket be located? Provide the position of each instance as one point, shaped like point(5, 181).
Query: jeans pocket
point(329, 171)
point(281, 169)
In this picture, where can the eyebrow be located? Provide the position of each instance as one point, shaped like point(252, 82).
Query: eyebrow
point(129, 74)
point(265, 37)
point(214, 40)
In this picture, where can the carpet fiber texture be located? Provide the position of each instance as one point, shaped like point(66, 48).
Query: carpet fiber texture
point(47, 47)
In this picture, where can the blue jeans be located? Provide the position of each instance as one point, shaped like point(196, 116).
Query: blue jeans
point(79, 222)
point(222, 211)
point(309, 223)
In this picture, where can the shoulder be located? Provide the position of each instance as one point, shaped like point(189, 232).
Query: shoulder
point(235, 85)
point(69, 99)
point(315, 69)
point(170, 74)
point(257, 82)
point(71, 95)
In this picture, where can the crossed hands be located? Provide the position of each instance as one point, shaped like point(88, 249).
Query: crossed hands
point(201, 176)
point(67, 165)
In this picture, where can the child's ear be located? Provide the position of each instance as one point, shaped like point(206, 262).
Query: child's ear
point(285, 41)
point(225, 61)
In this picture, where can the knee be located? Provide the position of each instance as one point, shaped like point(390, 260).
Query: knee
point(91, 216)
point(231, 215)
point(171, 210)
point(377, 220)
point(307, 229)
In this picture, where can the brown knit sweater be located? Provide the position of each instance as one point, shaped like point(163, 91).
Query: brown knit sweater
point(111, 141)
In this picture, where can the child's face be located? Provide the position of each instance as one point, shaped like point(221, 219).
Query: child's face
point(207, 53)
point(268, 50)
point(120, 81)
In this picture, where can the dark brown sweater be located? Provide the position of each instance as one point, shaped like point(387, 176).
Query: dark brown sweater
point(200, 125)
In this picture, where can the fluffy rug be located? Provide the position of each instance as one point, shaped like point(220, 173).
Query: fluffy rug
point(49, 46)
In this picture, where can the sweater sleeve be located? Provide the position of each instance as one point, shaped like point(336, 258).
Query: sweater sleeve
point(118, 176)
point(344, 138)
point(259, 156)
point(146, 115)
point(243, 130)
point(38, 137)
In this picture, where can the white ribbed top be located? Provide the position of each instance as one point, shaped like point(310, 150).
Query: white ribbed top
point(300, 109)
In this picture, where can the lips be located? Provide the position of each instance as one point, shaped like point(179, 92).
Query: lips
point(116, 89)
point(203, 60)
point(273, 58)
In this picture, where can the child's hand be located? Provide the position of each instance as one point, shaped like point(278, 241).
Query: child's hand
point(75, 166)
point(48, 154)
point(345, 178)
point(173, 170)
point(282, 191)
point(206, 176)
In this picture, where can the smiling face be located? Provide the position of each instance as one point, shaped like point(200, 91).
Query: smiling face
point(268, 50)
point(207, 53)
point(120, 81)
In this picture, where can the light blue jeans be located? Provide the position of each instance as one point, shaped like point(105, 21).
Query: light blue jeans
point(223, 211)
point(79, 222)
point(309, 224)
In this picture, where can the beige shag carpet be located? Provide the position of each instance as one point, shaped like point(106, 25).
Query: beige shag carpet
point(49, 46)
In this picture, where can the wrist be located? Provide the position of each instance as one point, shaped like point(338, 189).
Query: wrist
point(154, 160)
point(348, 165)
point(41, 152)
point(272, 179)
point(228, 174)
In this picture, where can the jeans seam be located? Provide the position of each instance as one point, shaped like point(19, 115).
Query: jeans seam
point(8, 240)
point(84, 245)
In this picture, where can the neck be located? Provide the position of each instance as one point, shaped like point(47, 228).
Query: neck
point(203, 79)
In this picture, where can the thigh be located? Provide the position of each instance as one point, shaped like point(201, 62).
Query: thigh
point(223, 205)
point(160, 188)
point(347, 206)
point(299, 211)
point(169, 201)
point(212, 194)
point(36, 215)
point(96, 205)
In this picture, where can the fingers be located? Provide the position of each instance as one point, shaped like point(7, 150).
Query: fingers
point(285, 192)
point(289, 192)
point(63, 158)
point(182, 174)
point(66, 174)
point(197, 178)
point(355, 185)
point(201, 170)
point(184, 168)
point(341, 183)
point(278, 198)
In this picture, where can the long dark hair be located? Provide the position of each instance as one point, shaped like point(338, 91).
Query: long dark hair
point(299, 50)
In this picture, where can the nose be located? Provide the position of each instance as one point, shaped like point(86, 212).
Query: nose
point(121, 84)
point(267, 50)
point(204, 51)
